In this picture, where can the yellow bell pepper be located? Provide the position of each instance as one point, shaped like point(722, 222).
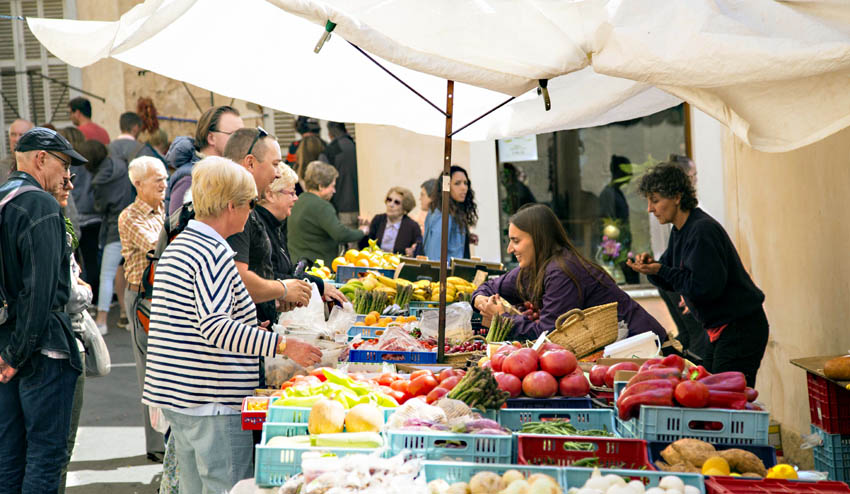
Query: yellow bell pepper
point(782, 471)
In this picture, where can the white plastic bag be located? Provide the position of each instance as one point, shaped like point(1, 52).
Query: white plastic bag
point(158, 421)
point(311, 317)
point(98, 363)
point(458, 322)
point(341, 319)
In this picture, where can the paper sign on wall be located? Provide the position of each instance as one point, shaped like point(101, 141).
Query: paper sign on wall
point(518, 149)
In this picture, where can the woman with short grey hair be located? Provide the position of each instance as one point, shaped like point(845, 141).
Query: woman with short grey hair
point(314, 230)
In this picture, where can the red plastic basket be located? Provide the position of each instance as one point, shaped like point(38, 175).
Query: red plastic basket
point(732, 485)
point(829, 405)
point(535, 449)
point(253, 419)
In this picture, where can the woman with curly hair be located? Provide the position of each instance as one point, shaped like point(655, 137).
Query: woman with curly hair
point(463, 214)
point(702, 264)
point(554, 278)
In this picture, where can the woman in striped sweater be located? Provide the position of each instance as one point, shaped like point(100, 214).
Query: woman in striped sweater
point(204, 340)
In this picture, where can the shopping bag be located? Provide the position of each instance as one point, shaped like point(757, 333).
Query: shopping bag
point(98, 362)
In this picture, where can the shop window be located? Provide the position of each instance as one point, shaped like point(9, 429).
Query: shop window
point(570, 171)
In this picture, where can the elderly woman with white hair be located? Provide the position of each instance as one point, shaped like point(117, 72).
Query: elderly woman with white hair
point(273, 209)
point(139, 225)
point(204, 342)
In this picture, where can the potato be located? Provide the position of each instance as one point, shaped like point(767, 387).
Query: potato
point(837, 368)
point(438, 486)
point(743, 461)
point(516, 487)
point(692, 451)
point(458, 488)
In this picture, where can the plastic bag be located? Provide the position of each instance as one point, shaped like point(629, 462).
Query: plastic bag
point(396, 338)
point(158, 421)
point(341, 319)
point(458, 322)
point(311, 317)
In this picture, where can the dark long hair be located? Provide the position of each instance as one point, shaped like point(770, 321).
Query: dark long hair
point(464, 213)
point(551, 244)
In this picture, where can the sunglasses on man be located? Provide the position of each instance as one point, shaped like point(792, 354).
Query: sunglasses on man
point(261, 133)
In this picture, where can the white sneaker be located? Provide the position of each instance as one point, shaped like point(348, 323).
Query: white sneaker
point(102, 328)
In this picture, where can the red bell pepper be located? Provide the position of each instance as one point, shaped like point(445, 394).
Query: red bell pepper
point(653, 362)
point(673, 361)
point(691, 394)
point(751, 393)
point(629, 406)
point(647, 386)
point(656, 373)
point(736, 400)
point(697, 373)
point(726, 381)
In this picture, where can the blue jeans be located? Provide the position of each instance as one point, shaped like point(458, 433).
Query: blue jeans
point(35, 417)
point(108, 267)
point(213, 452)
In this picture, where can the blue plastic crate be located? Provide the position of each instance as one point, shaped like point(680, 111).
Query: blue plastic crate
point(416, 307)
point(576, 477)
point(365, 332)
point(555, 402)
point(452, 471)
point(393, 357)
point(582, 419)
point(671, 423)
point(767, 454)
point(300, 415)
point(475, 448)
point(345, 273)
point(833, 456)
point(626, 428)
point(274, 464)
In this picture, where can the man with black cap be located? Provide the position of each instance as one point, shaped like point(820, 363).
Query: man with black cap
point(39, 361)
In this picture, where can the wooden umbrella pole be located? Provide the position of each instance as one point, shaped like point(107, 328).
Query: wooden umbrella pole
point(444, 237)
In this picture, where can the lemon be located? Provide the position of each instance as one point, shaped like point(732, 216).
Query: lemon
point(716, 465)
point(782, 471)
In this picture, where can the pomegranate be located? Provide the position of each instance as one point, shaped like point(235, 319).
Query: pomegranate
point(509, 383)
point(558, 362)
point(520, 363)
point(539, 384)
point(597, 375)
point(574, 385)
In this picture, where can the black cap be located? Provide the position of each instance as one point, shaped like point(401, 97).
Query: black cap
point(42, 139)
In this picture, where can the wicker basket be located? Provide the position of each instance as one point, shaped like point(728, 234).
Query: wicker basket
point(586, 331)
point(462, 359)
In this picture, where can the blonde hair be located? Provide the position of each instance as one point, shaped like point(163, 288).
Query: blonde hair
point(288, 178)
point(140, 167)
point(217, 181)
point(319, 175)
point(407, 200)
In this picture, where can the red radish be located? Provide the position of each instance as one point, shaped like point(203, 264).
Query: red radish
point(520, 363)
point(574, 385)
point(549, 346)
point(509, 383)
point(435, 394)
point(450, 382)
point(621, 366)
point(597, 375)
point(539, 384)
point(558, 362)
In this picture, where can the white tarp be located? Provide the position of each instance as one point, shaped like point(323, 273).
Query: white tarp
point(776, 73)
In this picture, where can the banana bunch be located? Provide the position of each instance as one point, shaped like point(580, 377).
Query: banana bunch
point(374, 282)
point(457, 290)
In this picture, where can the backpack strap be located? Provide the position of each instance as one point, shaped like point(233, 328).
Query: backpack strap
point(21, 189)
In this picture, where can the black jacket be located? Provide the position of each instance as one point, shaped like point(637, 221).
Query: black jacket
point(37, 272)
point(702, 264)
point(282, 265)
point(408, 233)
point(341, 153)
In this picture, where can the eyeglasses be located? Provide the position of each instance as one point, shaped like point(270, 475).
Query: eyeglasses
point(390, 200)
point(66, 164)
point(261, 133)
point(67, 181)
point(288, 192)
point(221, 132)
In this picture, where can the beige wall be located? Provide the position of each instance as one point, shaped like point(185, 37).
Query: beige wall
point(788, 216)
point(389, 156)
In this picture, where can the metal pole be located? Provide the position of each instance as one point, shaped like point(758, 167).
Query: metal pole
point(444, 237)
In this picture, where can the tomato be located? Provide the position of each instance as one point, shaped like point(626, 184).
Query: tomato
point(435, 394)
point(445, 374)
point(421, 373)
point(449, 383)
point(319, 373)
point(422, 385)
point(399, 396)
point(400, 385)
point(386, 379)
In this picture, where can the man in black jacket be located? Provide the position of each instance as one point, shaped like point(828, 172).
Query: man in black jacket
point(39, 360)
point(341, 153)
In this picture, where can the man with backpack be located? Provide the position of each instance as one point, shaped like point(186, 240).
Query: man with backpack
point(39, 360)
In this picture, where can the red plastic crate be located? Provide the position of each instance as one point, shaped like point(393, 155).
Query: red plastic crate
point(829, 405)
point(252, 420)
point(602, 396)
point(732, 485)
point(535, 449)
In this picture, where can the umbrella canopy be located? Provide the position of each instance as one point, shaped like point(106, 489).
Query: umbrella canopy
point(775, 72)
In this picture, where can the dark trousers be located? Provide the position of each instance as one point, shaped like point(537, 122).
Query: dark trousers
point(35, 417)
point(90, 253)
point(740, 347)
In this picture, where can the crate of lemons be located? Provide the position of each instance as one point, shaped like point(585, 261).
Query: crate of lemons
point(369, 257)
point(401, 291)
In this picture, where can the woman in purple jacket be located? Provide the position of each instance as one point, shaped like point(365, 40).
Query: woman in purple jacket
point(555, 278)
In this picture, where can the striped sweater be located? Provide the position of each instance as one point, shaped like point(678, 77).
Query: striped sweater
point(204, 342)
